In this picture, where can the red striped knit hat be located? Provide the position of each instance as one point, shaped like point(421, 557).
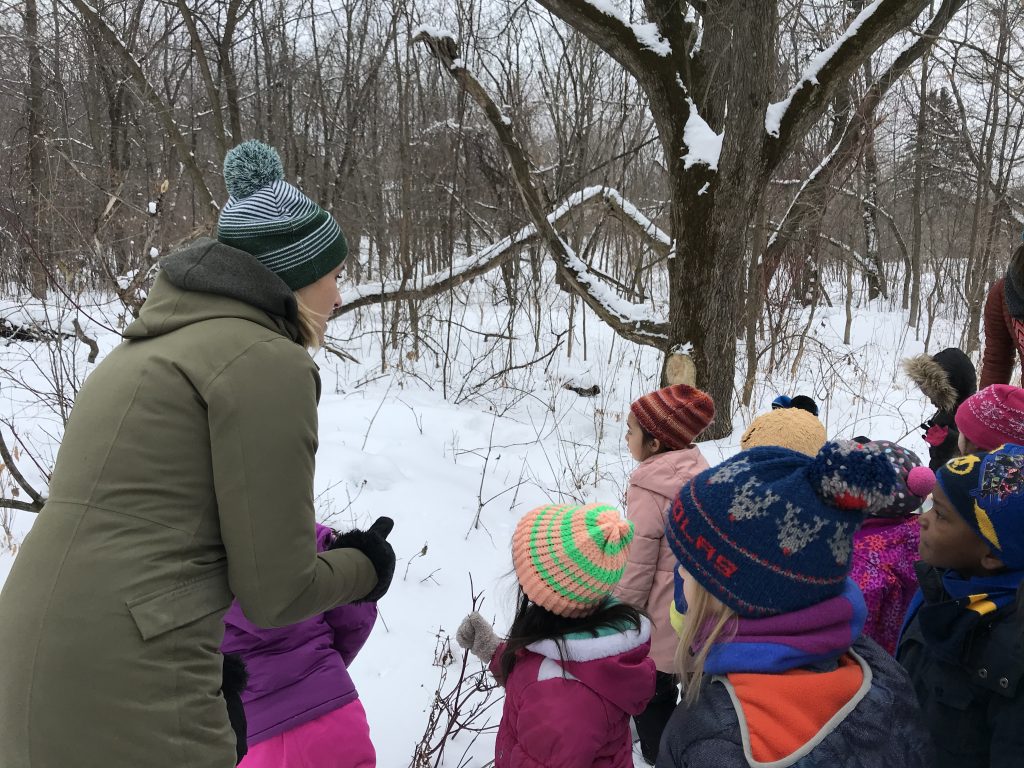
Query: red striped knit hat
point(568, 559)
point(675, 415)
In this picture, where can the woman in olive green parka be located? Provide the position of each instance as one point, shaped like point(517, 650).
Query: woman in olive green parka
point(184, 479)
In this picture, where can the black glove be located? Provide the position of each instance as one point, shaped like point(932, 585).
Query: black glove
point(374, 544)
point(233, 683)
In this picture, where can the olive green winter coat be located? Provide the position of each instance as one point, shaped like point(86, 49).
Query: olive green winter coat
point(185, 478)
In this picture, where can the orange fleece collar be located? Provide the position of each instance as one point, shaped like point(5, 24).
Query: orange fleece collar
point(783, 716)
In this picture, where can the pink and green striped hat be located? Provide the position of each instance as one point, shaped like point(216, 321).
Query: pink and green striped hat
point(568, 558)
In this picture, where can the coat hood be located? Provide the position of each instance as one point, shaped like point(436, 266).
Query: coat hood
point(665, 473)
point(206, 280)
point(946, 378)
point(614, 664)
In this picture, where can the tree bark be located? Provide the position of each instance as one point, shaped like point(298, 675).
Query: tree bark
point(916, 194)
point(38, 192)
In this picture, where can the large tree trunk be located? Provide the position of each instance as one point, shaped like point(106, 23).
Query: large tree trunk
point(711, 229)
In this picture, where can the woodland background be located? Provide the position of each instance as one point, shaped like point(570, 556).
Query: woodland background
point(892, 168)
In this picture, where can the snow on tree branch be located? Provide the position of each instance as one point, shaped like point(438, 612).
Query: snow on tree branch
point(703, 145)
point(777, 110)
point(647, 35)
point(465, 269)
point(631, 321)
point(633, 46)
point(627, 213)
point(812, 196)
point(788, 120)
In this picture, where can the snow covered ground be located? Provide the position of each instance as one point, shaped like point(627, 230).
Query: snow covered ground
point(500, 444)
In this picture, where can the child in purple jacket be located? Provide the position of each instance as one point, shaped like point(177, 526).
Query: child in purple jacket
point(301, 706)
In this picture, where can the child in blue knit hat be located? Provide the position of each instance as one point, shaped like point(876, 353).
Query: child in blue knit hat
point(775, 670)
point(963, 643)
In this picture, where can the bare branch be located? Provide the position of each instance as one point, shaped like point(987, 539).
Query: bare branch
point(92, 19)
point(877, 23)
point(94, 349)
point(628, 320)
point(20, 506)
point(812, 198)
point(37, 498)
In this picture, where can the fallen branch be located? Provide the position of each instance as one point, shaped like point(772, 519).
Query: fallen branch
point(33, 332)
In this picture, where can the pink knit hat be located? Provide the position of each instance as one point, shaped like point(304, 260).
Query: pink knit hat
point(568, 559)
point(993, 416)
point(675, 415)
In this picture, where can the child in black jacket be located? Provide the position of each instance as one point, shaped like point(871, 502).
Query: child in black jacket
point(947, 379)
point(963, 644)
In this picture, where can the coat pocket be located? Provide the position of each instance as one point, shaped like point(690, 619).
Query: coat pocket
point(180, 604)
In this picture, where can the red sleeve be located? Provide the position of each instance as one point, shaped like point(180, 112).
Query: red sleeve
point(1000, 352)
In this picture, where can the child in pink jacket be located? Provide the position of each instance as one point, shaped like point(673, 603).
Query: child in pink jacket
point(885, 547)
point(661, 428)
point(575, 664)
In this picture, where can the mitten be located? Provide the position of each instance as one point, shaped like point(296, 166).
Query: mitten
point(373, 543)
point(475, 635)
point(233, 682)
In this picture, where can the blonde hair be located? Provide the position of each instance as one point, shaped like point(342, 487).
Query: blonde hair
point(310, 326)
point(704, 610)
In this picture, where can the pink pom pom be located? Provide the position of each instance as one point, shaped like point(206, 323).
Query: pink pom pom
point(920, 481)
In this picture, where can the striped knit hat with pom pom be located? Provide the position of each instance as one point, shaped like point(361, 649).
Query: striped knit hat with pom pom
point(675, 414)
point(568, 558)
point(770, 531)
point(270, 219)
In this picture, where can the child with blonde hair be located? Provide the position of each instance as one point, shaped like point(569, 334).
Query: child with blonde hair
point(774, 668)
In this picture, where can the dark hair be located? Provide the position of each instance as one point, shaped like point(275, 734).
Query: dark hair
point(804, 403)
point(533, 623)
point(649, 438)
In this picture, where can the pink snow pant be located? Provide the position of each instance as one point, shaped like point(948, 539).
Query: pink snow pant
point(339, 739)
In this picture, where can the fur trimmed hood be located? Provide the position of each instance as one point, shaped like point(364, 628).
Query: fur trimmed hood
point(947, 378)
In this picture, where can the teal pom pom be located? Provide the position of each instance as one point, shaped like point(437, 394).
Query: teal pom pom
point(251, 166)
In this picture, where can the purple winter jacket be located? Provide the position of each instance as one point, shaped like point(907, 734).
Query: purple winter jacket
point(297, 673)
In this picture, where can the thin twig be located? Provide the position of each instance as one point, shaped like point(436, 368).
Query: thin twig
point(37, 498)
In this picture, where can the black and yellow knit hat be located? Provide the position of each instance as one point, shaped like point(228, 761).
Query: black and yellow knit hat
point(270, 219)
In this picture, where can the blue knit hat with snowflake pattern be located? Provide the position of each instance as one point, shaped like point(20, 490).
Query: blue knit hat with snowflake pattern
point(270, 219)
point(770, 530)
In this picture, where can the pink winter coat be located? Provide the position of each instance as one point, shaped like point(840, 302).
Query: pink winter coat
point(572, 710)
point(647, 581)
point(884, 553)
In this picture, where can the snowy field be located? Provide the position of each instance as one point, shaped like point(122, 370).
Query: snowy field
point(456, 473)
